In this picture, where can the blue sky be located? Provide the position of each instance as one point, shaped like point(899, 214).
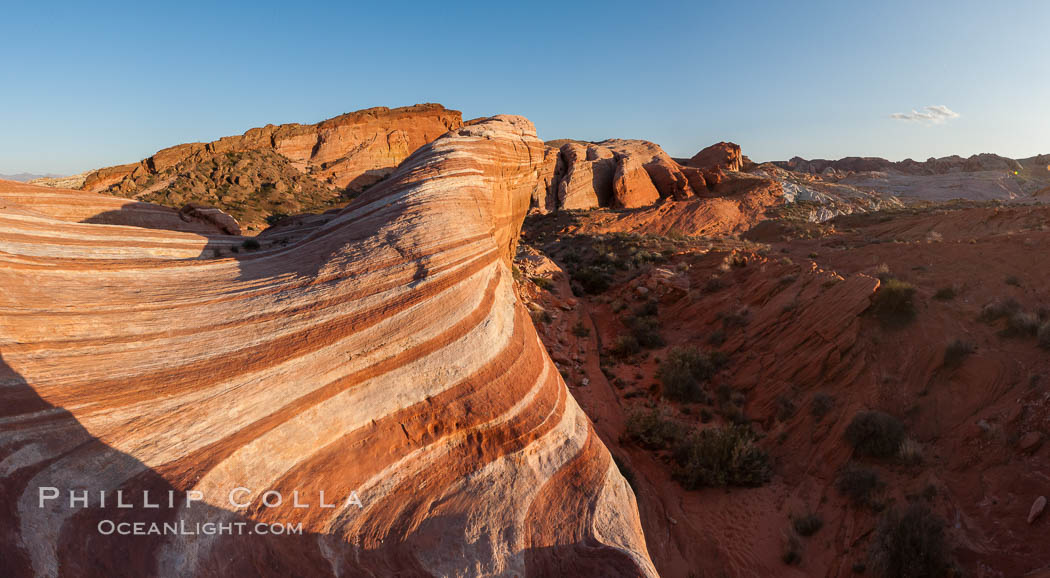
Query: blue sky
point(84, 85)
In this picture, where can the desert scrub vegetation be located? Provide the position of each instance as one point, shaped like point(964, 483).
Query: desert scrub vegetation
point(821, 405)
point(875, 434)
point(625, 346)
point(653, 428)
point(593, 260)
point(684, 372)
point(644, 325)
point(860, 485)
point(911, 544)
point(543, 283)
point(945, 294)
point(721, 456)
point(894, 302)
point(1044, 335)
point(956, 351)
point(807, 524)
point(580, 330)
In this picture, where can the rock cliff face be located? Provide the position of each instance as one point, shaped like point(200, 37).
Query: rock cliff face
point(614, 173)
point(724, 155)
point(294, 167)
point(384, 355)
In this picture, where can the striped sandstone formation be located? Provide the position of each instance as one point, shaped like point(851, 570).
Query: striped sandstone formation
point(384, 356)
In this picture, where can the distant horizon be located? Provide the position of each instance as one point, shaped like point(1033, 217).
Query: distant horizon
point(7, 172)
point(111, 83)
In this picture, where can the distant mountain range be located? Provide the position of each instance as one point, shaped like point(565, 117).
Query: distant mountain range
point(26, 177)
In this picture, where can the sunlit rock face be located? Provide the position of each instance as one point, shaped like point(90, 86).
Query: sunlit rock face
point(377, 377)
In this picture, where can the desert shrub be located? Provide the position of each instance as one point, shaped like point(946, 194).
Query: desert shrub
point(653, 428)
point(648, 309)
point(723, 456)
point(543, 283)
point(911, 544)
point(738, 318)
point(998, 309)
point(859, 484)
point(625, 346)
point(821, 404)
point(956, 352)
point(808, 524)
point(1044, 335)
point(275, 218)
point(894, 302)
point(580, 330)
point(1013, 280)
point(792, 550)
point(910, 452)
point(593, 280)
point(1021, 324)
point(717, 337)
point(876, 434)
point(786, 407)
point(251, 245)
point(945, 294)
point(713, 285)
point(646, 330)
point(684, 372)
point(541, 316)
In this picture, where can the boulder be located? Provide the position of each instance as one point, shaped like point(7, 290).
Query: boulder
point(723, 155)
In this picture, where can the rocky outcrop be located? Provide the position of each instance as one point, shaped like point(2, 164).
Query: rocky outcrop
point(349, 153)
point(724, 156)
point(383, 360)
point(931, 166)
point(632, 186)
point(613, 173)
point(211, 215)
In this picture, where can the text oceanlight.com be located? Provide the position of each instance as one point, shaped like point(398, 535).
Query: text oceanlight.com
point(181, 528)
point(237, 499)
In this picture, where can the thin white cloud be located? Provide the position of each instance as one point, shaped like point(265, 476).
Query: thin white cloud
point(936, 114)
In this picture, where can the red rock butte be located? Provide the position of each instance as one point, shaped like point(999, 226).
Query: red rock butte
point(385, 353)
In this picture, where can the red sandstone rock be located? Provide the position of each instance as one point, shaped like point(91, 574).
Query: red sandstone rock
point(632, 186)
point(589, 173)
point(723, 155)
point(385, 353)
point(196, 211)
point(353, 151)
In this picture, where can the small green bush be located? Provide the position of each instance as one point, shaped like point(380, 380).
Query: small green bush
point(654, 428)
point(722, 456)
point(894, 302)
point(684, 372)
point(911, 544)
point(251, 245)
point(998, 309)
point(875, 434)
point(1021, 324)
point(593, 280)
point(859, 484)
point(625, 346)
point(1044, 335)
point(945, 294)
point(956, 352)
point(821, 404)
point(646, 330)
point(808, 524)
point(543, 283)
point(580, 330)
